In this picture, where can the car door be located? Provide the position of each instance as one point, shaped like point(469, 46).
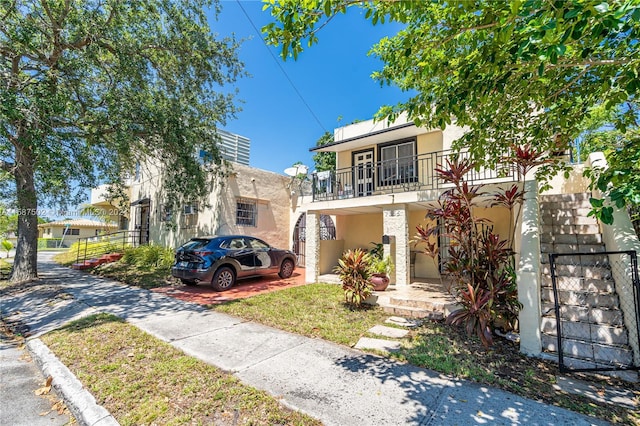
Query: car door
point(239, 249)
point(264, 263)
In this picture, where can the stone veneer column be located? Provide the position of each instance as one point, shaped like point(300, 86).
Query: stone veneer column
point(395, 220)
point(528, 275)
point(312, 248)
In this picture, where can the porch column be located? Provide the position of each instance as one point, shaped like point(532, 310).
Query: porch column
point(528, 276)
point(312, 247)
point(395, 219)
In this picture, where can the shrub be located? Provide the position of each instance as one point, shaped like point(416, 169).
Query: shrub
point(481, 263)
point(354, 270)
point(148, 256)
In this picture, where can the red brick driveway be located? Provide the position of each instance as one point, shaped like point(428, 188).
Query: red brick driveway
point(206, 295)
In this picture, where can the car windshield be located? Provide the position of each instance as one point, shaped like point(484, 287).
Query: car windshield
point(195, 244)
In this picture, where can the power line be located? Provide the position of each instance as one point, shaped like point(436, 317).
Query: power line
point(277, 61)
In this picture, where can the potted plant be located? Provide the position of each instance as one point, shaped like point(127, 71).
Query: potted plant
point(354, 270)
point(380, 267)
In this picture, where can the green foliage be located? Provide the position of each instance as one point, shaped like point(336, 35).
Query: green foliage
point(6, 246)
point(150, 255)
point(619, 182)
point(8, 222)
point(379, 264)
point(509, 71)
point(480, 262)
point(91, 89)
point(324, 161)
point(354, 270)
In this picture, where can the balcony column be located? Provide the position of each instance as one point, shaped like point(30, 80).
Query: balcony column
point(312, 247)
point(395, 219)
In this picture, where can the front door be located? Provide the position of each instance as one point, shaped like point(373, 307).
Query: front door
point(363, 163)
point(142, 223)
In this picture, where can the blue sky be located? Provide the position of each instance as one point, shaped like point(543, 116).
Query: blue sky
point(333, 78)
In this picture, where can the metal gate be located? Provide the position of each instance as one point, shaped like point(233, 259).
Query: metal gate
point(597, 310)
point(327, 232)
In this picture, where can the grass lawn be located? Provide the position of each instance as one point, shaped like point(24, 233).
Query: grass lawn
point(315, 310)
point(318, 310)
point(142, 380)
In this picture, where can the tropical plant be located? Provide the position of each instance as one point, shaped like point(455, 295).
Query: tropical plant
point(6, 246)
point(382, 265)
point(480, 263)
point(354, 270)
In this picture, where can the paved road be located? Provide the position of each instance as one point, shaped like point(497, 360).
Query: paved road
point(19, 378)
point(335, 384)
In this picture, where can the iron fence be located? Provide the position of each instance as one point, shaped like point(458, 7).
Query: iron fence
point(597, 311)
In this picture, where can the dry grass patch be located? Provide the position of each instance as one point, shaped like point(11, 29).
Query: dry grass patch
point(142, 380)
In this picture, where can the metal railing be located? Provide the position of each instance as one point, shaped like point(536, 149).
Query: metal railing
point(113, 242)
point(415, 173)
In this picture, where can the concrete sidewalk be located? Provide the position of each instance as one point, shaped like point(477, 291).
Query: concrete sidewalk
point(336, 384)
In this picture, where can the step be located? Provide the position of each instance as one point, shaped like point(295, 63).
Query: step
point(573, 220)
point(563, 248)
point(612, 317)
point(579, 298)
point(596, 260)
point(381, 345)
point(597, 333)
point(576, 283)
point(586, 239)
point(564, 198)
point(392, 332)
point(575, 363)
point(598, 353)
point(410, 312)
point(557, 229)
point(571, 270)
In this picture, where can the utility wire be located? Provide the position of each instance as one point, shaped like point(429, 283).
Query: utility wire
point(277, 61)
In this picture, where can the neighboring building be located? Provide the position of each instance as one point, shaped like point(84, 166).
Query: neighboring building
point(251, 202)
point(234, 148)
point(67, 232)
point(110, 208)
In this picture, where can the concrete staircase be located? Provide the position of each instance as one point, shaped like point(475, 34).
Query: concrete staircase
point(592, 322)
point(418, 300)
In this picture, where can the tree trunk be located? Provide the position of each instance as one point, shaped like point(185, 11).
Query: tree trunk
point(25, 264)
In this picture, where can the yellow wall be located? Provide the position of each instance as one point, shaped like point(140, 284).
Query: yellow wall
point(359, 231)
point(330, 252)
point(429, 142)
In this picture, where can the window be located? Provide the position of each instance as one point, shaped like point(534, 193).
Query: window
point(166, 213)
point(398, 163)
point(246, 212)
point(191, 208)
point(72, 231)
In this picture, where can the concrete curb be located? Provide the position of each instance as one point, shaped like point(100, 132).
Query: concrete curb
point(80, 402)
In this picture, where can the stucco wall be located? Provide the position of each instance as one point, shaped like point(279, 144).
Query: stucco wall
point(358, 231)
point(576, 183)
point(269, 191)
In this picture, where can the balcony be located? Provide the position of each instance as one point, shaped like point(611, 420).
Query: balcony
point(406, 174)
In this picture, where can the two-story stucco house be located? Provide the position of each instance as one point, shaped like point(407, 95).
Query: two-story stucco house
point(383, 184)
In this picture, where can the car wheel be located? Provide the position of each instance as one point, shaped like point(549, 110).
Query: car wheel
point(286, 269)
point(223, 279)
point(187, 282)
